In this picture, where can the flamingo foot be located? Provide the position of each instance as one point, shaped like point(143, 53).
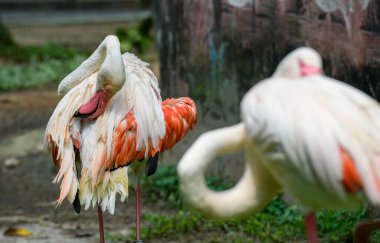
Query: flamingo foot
point(101, 229)
point(363, 230)
point(311, 228)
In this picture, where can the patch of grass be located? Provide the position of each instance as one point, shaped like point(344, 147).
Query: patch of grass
point(35, 73)
point(25, 54)
point(33, 66)
point(375, 236)
point(278, 222)
point(337, 225)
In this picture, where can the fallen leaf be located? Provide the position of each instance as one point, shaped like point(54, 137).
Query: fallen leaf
point(15, 231)
point(11, 163)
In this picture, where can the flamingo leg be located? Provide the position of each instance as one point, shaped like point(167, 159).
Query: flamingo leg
point(101, 229)
point(138, 234)
point(311, 228)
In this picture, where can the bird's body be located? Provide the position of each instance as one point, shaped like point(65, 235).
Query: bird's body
point(317, 135)
point(93, 138)
point(179, 117)
point(304, 133)
point(109, 130)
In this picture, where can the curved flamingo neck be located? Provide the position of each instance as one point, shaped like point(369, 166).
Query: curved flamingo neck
point(254, 190)
point(106, 59)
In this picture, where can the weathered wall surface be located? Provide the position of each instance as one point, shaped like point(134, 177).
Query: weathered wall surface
point(221, 40)
point(22, 5)
point(215, 50)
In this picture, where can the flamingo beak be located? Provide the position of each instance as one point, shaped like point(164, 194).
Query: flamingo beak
point(95, 106)
point(307, 70)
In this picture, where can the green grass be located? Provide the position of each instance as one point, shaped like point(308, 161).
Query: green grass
point(278, 222)
point(35, 73)
point(35, 66)
point(25, 54)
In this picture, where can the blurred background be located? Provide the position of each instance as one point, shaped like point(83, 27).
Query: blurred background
point(210, 50)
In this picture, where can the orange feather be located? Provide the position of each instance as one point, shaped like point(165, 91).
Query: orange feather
point(351, 179)
point(180, 116)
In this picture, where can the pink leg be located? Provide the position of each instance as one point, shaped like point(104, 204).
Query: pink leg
point(101, 229)
point(311, 228)
point(138, 235)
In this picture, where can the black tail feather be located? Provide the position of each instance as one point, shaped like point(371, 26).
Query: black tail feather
point(151, 165)
point(76, 203)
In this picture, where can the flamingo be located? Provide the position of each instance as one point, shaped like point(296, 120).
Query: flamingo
point(302, 132)
point(111, 114)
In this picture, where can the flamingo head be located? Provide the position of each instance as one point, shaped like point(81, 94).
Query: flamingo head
point(109, 82)
point(110, 78)
point(301, 62)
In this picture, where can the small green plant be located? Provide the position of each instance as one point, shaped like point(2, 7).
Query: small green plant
point(115, 237)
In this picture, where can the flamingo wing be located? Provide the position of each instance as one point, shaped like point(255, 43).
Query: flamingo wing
point(324, 130)
point(180, 116)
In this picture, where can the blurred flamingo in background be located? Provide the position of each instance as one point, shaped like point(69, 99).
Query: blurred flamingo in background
point(110, 115)
point(307, 134)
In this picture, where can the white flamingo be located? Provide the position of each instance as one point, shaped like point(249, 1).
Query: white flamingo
point(304, 133)
point(110, 115)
